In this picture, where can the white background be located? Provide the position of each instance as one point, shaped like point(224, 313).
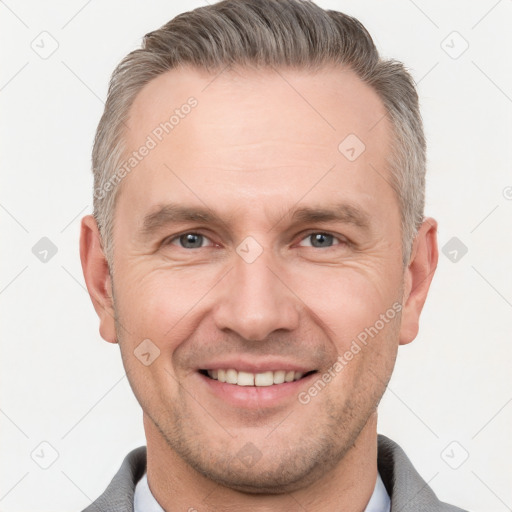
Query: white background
point(61, 383)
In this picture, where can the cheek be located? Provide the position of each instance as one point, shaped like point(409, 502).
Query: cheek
point(158, 303)
point(347, 300)
point(153, 319)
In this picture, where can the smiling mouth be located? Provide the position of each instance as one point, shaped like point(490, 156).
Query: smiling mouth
point(263, 379)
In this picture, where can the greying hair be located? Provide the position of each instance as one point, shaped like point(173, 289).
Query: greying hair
point(265, 33)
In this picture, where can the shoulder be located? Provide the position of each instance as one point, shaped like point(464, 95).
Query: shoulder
point(407, 489)
point(118, 496)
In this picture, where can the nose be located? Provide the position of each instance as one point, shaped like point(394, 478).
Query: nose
point(254, 300)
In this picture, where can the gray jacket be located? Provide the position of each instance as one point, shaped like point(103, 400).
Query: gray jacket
point(408, 491)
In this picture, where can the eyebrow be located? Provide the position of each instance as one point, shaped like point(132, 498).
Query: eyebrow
point(343, 212)
point(173, 214)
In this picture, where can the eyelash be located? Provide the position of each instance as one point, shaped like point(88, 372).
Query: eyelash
point(341, 240)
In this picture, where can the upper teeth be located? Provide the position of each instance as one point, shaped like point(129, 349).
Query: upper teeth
point(254, 379)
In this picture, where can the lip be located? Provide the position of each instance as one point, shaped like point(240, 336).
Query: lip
point(254, 397)
point(266, 365)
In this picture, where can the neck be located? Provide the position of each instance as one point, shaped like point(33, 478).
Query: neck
point(348, 486)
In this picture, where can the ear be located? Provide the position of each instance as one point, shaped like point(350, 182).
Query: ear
point(417, 278)
point(97, 277)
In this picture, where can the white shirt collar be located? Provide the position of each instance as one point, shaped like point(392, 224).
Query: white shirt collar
point(144, 501)
point(379, 502)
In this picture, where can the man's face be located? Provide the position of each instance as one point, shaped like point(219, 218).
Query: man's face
point(296, 252)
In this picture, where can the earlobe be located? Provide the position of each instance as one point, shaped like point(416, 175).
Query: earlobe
point(97, 277)
point(417, 279)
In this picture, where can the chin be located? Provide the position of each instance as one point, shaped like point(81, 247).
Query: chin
point(263, 479)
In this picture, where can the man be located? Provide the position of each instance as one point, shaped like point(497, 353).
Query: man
point(258, 250)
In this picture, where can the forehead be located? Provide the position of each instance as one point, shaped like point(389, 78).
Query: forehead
point(256, 133)
point(329, 104)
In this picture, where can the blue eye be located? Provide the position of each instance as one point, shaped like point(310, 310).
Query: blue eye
point(189, 240)
point(319, 240)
